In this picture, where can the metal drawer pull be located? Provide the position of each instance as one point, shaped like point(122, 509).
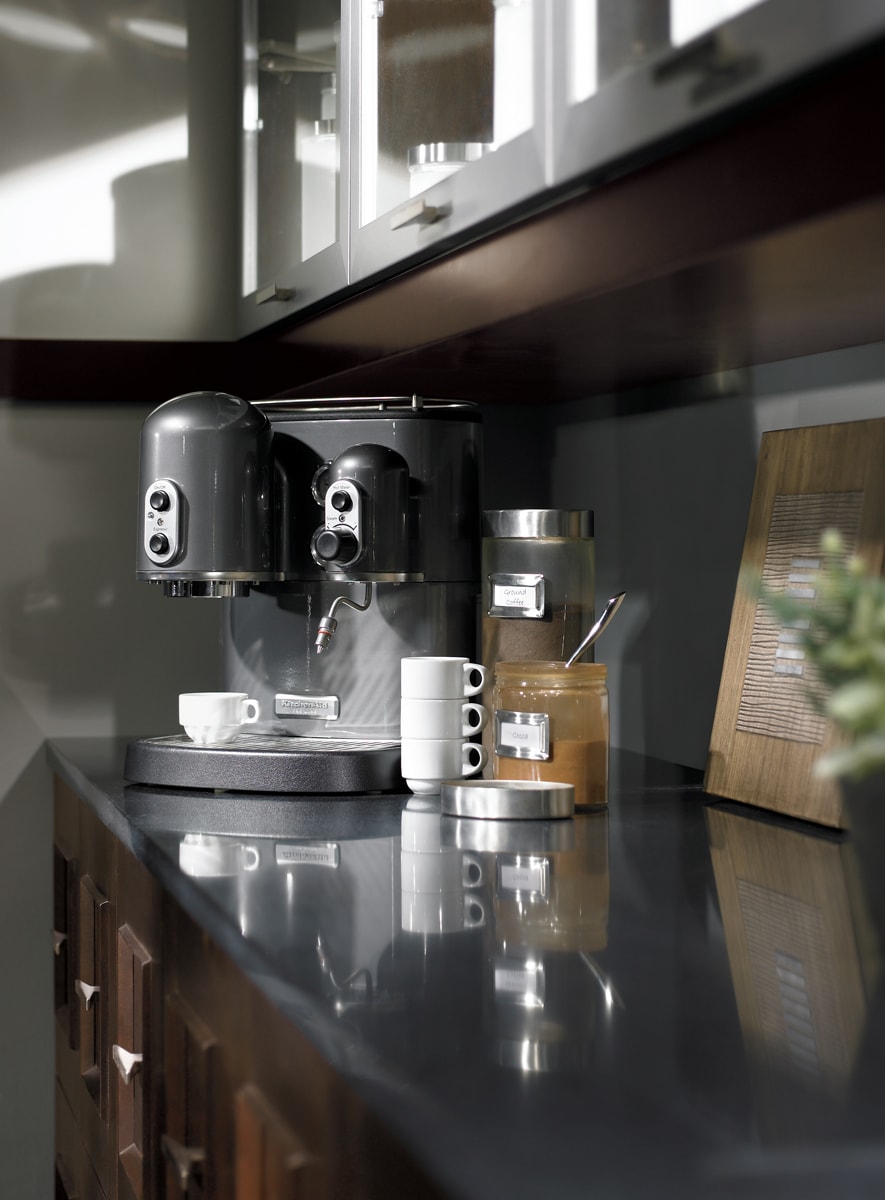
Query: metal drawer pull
point(87, 992)
point(187, 1162)
point(127, 1063)
point(419, 212)
point(58, 940)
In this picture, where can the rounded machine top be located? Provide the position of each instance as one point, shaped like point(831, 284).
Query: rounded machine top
point(218, 411)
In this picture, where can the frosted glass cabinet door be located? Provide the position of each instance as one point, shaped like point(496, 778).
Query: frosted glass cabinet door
point(629, 77)
point(449, 118)
point(293, 220)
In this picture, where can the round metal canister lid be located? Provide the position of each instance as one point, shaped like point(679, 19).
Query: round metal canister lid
point(507, 799)
point(507, 837)
point(537, 522)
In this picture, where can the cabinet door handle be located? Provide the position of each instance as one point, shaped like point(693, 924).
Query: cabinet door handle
point(419, 212)
point(187, 1160)
point(714, 62)
point(273, 291)
point(87, 992)
point(58, 940)
point(127, 1063)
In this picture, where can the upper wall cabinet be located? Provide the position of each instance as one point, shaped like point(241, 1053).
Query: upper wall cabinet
point(631, 78)
point(377, 134)
point(448, 122)
point(294, 215)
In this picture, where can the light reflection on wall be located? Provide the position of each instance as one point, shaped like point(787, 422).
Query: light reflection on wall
point(45, 30)
point(61, 209)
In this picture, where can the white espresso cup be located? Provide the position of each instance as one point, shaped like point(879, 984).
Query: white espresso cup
point(441, 718)
point(445, 912)
point(448, 871)
point(426, 762)
point(209, 857)
point(421, 825)
point(212, 717)
point(441, 678)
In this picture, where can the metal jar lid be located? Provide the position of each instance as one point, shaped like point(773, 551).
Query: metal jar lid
point(508, 837)
point(537, 522)
point(507, 799)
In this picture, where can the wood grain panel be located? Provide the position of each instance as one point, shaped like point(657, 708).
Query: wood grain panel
point(804, 960)
point(763, 745)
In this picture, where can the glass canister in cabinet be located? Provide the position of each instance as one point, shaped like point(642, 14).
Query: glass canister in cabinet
point(551, 722)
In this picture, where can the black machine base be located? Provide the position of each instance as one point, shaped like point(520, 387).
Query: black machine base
point(261, 763)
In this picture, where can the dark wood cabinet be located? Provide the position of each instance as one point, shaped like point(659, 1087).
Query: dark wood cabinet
point(82, 929)
point(130, 1055)
point(106, 1090)
point(197, 1134)
point(176, 1077)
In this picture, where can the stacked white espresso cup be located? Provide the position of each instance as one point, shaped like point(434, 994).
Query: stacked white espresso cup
point(437, 880)
point(437, 719)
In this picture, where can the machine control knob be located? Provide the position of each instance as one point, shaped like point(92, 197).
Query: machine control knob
point(341, 501)
point(159, 501)
point(336, 545)
point(159, 543)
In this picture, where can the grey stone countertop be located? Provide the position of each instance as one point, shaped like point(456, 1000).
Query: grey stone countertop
point(676, 997)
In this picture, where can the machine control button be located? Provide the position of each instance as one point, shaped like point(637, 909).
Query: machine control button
point(336, 545)
point(159, 543)
point(340, 501)
point(159, 501)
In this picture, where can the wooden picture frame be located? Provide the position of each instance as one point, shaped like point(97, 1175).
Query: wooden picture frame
point(766, 735)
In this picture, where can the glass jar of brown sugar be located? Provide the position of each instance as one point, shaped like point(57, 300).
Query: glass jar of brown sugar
point(551, 722)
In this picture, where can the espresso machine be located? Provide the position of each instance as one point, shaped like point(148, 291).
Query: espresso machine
point(340, 536)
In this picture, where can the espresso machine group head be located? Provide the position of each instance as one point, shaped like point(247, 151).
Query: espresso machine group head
point(295, 513)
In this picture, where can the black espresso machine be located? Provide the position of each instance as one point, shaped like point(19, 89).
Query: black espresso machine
point(341, 536)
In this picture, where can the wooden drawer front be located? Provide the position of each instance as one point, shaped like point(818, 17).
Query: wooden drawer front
point(272, 1161)
point(93, 991)
point(67, 1145)
point(64, 903)
point(75, 1178)
point(133, 1068)
point(197, 1143)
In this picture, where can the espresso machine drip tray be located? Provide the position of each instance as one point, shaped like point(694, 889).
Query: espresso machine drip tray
point(262, 763)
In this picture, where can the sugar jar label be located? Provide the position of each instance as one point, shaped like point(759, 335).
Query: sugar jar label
point(516, 595)
point(522, 735)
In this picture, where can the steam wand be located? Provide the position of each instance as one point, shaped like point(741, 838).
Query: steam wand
point(328, 624)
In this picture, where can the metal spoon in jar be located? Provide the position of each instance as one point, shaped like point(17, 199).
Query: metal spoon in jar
point(598, 626)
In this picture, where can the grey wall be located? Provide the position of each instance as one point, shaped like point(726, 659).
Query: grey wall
point(670, 486)
point(84, 651)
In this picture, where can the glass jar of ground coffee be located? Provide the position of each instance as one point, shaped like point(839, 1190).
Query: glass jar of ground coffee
point(551, 722)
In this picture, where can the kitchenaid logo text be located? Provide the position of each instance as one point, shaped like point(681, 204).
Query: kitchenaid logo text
point(325, 707)
point(321, 854)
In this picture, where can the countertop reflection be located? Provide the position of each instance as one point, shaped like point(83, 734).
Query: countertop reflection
point(674, 997)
